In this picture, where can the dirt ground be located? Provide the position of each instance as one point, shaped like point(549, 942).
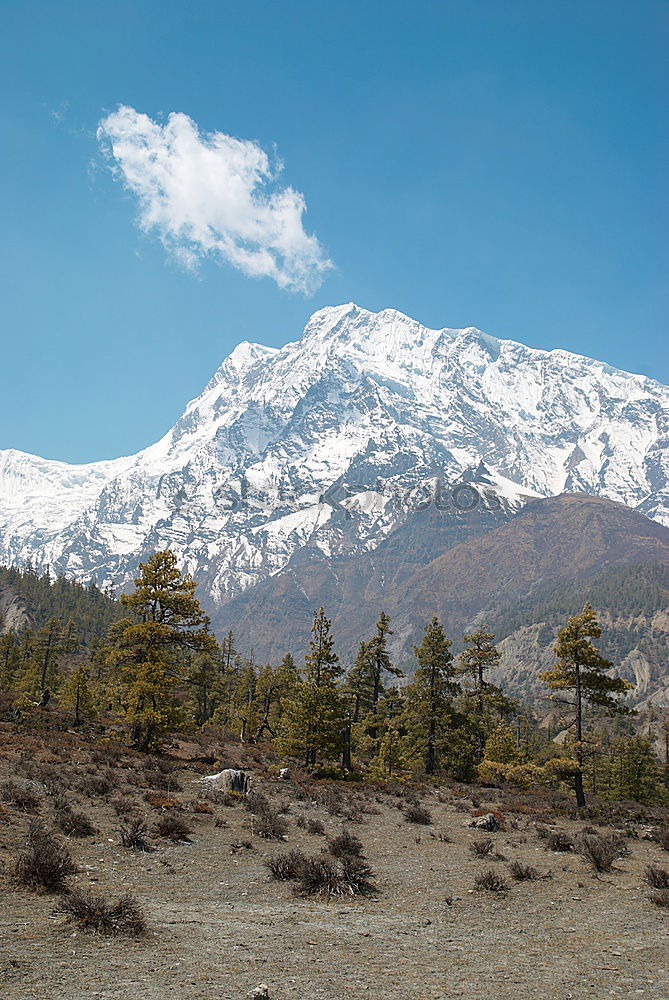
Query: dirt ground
point(219, 925)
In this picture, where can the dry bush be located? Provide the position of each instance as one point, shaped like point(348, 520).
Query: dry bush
point(172, 827)
point(266, 822)
point(416, 813)
point(45, 862)
point(523, 873)
point(202, 808)
point(658, 878)
point(490, 881)
point(345, 844)
point(162, 780)
point(20, 795)
point(319, 876)
point(91, 912)
point(483, 847)
point(95, 785)
point(71, 822)
point(270, 825)
point(311, 824)
point(663, 839)
point(661, 898)
point(134, 833)
point(331, 799)
point(124, 806)
point(556, 840)
point(354, 812)
point(600, 852)
point(287, 866)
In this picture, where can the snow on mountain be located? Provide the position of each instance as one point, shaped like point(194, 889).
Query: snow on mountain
point(332, 441)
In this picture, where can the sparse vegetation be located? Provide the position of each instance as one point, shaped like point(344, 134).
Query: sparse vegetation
point(482, 847)
point(657, 878)
point(416, 813)
point(345, 844)
point(599, 851)
point(92, 912)
point(286, 866)
point(523, 873)
point(71, 822)
point(173, 827)
point(491, 881)
point(311, 824)
point(45, 863)
point(20, 795)
point(134, 833)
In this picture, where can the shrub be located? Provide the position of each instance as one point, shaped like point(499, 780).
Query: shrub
point(20, 795)
point(416, 813)
point(658, 878)
point(663, 839)
point(92, 912)
point(557, 840)
point(287, 866)
point(134, 833)
point(661, 898)
point(319, 876)
point(172, 827)
point(345, 844)
point(601, 852)
point(490, 881)
point(311, 825)
point(45, 863)
point(95, 785)
point(482, 847)
point(270, 825)
point(71, 822)
point(124, 806)
point(163, 781)
point(523, 873)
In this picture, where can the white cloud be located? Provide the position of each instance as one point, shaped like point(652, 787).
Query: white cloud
point(208, 194)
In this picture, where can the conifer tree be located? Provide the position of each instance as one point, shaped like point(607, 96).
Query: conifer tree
point(150, 648)
point(314, 721)
point(581, 669)
point(429, 697)
point(77, 695)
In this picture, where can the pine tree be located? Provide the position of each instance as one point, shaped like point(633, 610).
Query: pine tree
point(429, 697)
point(500, 746)
point(77, 695)
point(314, 721)
point(581, 668)
point(150, 648)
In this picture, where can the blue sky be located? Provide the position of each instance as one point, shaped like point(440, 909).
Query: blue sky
point(470, 163)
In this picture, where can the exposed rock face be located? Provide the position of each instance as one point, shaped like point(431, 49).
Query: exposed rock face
point(13, 613)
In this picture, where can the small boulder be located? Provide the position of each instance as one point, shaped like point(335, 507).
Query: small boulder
point(229, 780)
point(487, 822)
point(260, 992)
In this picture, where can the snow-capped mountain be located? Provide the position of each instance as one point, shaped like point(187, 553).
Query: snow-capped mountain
point(331, 442)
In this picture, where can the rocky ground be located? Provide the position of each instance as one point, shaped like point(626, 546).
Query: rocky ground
point(219, 925)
